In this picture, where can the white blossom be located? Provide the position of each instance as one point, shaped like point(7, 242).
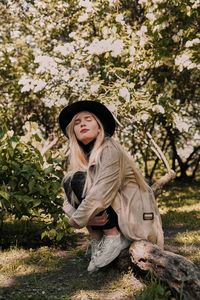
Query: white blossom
point(29, 39)
point(40, 4)
point(196, 4)
point(94, 88)
point(10, 133)
point(189, 44)
point(176, 38)
point(9, 48)
point(132, 50)
point(183, 61)
point(83, 18)
point(31, 84)
point(151, 16)
point(144, 117)
point(39, 85)
point(65, 49)
point(27, 84)
point(61, 101)
point(142, 30)
point(100, 46)
point(15, 34)
point(117, 47)
point(120, 19)
point(142, 35)
point(186, 151)
point(158, 109)
point(46, 64)
point(48, 102)
point(83, 73)
point(105, 31)
point(106, 45)
point(124, 93)
point(87, 4)
point(72, 34)
point(181, 124)
point(13, 59)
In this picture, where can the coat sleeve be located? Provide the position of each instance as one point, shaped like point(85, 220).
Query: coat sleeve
point(104, 187)
point(68, 208)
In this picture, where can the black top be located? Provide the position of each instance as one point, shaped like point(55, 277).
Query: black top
point(77, 182)
point(88, 147)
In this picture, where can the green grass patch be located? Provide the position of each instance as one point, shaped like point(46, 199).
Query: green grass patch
point(180, 194)
point(154, 290)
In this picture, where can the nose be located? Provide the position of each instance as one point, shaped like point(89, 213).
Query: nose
point(82, 124)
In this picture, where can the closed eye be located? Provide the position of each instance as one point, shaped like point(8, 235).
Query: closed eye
point(77, 121)
point(88, 118)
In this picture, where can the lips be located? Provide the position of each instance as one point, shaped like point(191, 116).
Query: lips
point(84, 130)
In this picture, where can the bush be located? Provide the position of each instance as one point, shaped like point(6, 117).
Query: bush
point(30, 184)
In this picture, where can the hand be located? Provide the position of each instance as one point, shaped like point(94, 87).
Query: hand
point(73, 223)
point(99, 220)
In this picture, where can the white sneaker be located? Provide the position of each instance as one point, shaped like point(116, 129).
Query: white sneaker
point(94, 244)
point(109, 249)
point(92, 267)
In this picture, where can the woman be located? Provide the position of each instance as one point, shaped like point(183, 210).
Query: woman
point(104, 190)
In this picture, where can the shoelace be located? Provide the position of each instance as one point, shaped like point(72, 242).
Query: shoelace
point(102, 245)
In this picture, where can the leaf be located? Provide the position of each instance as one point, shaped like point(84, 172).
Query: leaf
point(4, 194)
point(31, 185)
point(59, 236)
point(52, 233)
point(44, 234)
point(36, 202)
point(48, 170)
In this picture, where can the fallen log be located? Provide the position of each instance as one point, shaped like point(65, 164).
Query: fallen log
point(180, 274)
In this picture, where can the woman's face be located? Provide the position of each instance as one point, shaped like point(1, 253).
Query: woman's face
point(86, 127)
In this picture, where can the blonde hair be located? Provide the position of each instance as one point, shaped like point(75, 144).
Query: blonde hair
point(77, 157)
point(79, 162)
point(138, 175)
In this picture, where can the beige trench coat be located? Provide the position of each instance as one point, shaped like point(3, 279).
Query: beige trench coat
point(114, 184)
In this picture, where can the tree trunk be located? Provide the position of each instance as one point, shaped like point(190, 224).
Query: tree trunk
point(163, 181)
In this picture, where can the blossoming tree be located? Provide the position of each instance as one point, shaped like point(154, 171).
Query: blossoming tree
point(141, 58)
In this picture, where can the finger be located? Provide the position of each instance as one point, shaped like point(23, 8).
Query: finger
point(105, 214)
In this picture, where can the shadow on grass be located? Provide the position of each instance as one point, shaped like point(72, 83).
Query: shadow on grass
point(26, 233)
point(179, 194)
point(182, 231)
point(179, 221)
point(56, 275)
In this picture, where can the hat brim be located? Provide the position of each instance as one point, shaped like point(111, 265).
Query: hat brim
point(97, 108)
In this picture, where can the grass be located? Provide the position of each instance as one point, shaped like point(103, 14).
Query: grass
point(55, 273)
point(50, 273)
point(180, 208)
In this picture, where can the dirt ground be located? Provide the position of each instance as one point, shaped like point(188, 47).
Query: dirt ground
point(63, 275)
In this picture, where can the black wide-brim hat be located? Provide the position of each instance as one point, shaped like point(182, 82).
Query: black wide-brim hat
point(98, 109)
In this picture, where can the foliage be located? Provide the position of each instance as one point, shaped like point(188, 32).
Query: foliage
point(30, 184)
point(154, 290)
point(141, 58)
